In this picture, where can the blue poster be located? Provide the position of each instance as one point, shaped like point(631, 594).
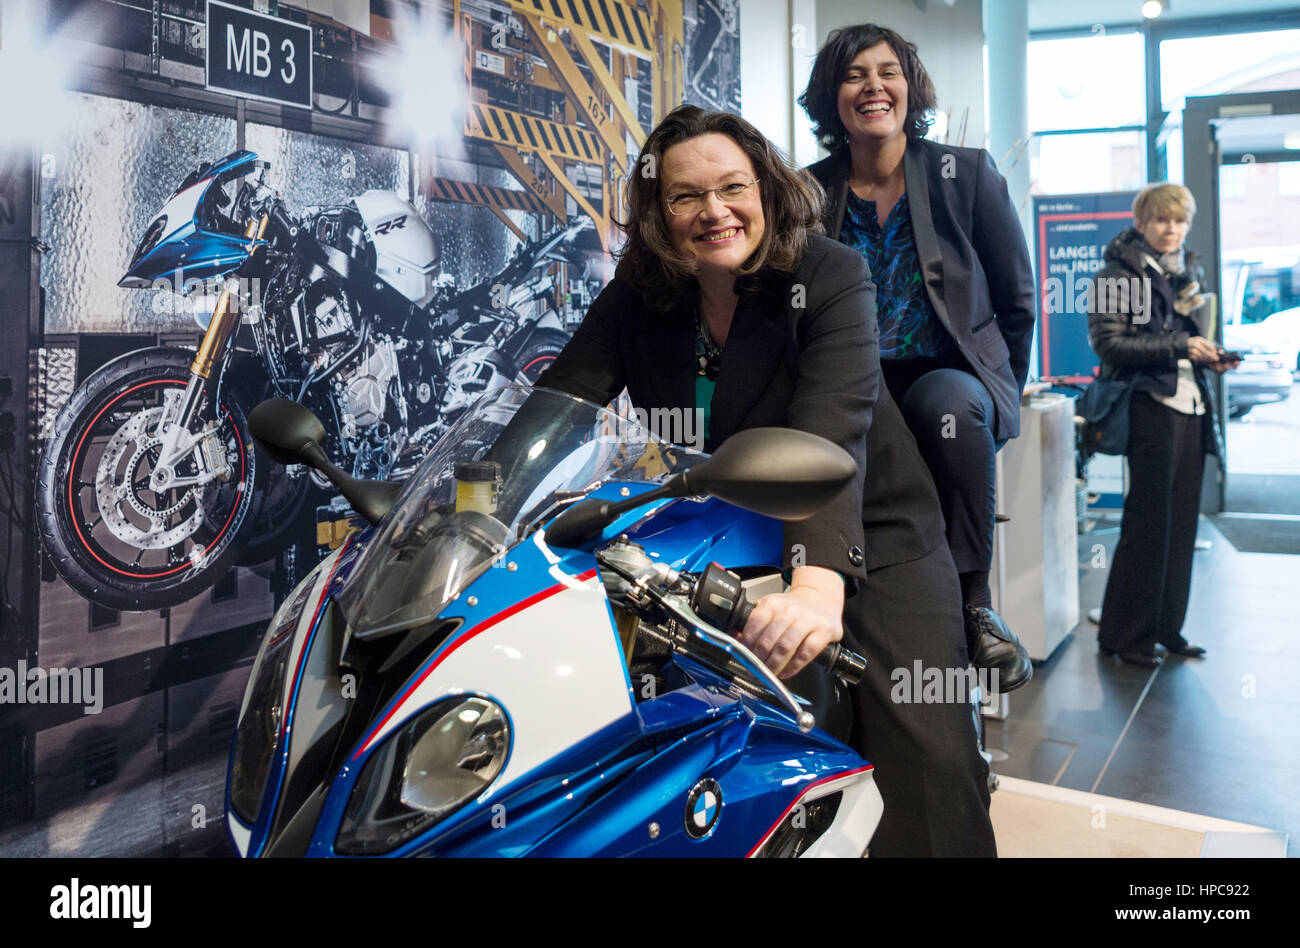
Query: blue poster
point(1071, 232)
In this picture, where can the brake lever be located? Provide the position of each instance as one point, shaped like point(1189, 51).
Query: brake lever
point(733, 648)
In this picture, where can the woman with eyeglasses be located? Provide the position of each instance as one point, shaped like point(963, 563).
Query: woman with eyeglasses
point(954, 291)
point(727, 302)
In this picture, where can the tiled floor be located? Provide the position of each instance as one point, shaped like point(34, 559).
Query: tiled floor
point(1218, 736)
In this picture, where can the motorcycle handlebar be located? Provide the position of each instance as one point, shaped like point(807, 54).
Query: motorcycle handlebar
point(720, 600)
point(845, 665)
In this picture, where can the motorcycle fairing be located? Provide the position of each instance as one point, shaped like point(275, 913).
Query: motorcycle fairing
point(857, 817)
point(180, 247)
point(578, 634)
point(757, 761)
point(564, 630)
point(689, 534)
point(321, 581)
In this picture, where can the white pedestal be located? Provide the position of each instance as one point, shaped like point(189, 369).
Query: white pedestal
point(1035, 576)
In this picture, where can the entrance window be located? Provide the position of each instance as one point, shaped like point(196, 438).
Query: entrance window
point(1087, 162)
point(1086, 82)
point(1086, 113)
point(1236, 62)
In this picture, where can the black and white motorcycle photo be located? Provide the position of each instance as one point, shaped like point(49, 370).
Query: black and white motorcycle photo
point(149, 487)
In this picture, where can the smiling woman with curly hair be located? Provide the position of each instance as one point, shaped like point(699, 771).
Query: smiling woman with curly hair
point(955, 290)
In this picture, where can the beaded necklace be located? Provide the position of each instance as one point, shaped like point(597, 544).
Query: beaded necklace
point(708, 352)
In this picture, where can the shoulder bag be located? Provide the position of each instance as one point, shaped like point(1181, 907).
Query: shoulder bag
point(1104, 409)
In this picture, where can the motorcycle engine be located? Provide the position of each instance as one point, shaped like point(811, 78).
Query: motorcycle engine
point(365, 385)
point(329, 314)
point(371, 410)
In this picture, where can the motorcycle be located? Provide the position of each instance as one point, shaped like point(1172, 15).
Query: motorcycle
point(527, 653)
point(149, 487)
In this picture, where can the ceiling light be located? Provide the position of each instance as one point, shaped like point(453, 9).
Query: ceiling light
point(1153, 8)
point(1291, 140)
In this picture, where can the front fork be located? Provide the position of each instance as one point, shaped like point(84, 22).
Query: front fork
point(177, 439)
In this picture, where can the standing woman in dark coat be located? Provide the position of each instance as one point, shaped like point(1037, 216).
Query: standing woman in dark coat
point(955, 291)
point(1140, 325)
point(726, 301)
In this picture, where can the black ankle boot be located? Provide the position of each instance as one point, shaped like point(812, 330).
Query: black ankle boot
point(992, 645)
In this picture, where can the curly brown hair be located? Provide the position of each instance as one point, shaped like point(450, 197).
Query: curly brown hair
point(791, 198)
point(821, 99)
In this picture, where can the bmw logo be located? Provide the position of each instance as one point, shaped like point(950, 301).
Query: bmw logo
point(703, 807)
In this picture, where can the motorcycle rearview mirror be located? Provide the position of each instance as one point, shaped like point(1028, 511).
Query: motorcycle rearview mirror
point(778, 472)
point(290, 434)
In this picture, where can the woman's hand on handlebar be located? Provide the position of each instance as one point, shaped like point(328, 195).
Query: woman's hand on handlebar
point(788, 630)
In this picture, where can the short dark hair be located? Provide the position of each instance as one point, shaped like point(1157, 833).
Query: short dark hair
point(821, 99)
point(791, 199)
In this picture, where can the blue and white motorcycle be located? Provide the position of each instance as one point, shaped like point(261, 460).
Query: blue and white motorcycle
point(526, 653)
point(149, 489)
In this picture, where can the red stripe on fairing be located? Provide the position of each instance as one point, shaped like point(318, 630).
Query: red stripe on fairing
point(481, 627)
point(315, 616)
point(795, 802)
point(72, 467)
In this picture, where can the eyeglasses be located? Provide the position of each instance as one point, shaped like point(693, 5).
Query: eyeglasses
point(691, 202)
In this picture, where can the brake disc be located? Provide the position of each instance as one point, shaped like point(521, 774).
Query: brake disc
point(118, 496)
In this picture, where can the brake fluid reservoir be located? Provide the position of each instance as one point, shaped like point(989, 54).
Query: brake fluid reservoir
point(477, 485)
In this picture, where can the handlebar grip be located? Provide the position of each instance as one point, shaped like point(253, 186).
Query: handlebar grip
point(844, 664)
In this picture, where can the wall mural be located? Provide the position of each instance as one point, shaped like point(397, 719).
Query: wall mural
point(386, 285)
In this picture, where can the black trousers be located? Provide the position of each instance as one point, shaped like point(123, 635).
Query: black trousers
point(927, 763)
point(951, 415)
point(1151, 571)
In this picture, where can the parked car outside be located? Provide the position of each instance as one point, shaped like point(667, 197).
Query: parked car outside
point(1260, 291)
point(1263, 377)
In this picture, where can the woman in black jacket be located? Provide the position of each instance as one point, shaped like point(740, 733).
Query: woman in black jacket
point(726, 302)
point(1141, 325)
point(955, 290)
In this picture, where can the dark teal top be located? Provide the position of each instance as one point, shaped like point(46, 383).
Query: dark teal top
point(704, 388)
point(909, 328)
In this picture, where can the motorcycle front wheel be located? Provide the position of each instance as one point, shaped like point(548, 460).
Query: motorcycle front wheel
point(537, 356)
point(111, 536)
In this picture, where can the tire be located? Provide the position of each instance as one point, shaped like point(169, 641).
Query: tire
point(104, 422)
point(536, 357)
point(279, 513)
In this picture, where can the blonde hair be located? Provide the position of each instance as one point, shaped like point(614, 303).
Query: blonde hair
point(1157, 199)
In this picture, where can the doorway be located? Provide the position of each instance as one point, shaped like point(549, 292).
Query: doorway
point(1242, 164)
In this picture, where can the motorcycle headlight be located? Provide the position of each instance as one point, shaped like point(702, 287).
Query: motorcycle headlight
point(263, 710)
point(427, 769)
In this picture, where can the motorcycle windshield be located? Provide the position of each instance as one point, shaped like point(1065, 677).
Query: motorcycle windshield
point(492, 478)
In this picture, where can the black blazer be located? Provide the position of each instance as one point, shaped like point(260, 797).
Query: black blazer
point(973, 257)
point(813, 366)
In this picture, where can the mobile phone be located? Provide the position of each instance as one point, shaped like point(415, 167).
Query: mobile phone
point(1230, 357)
